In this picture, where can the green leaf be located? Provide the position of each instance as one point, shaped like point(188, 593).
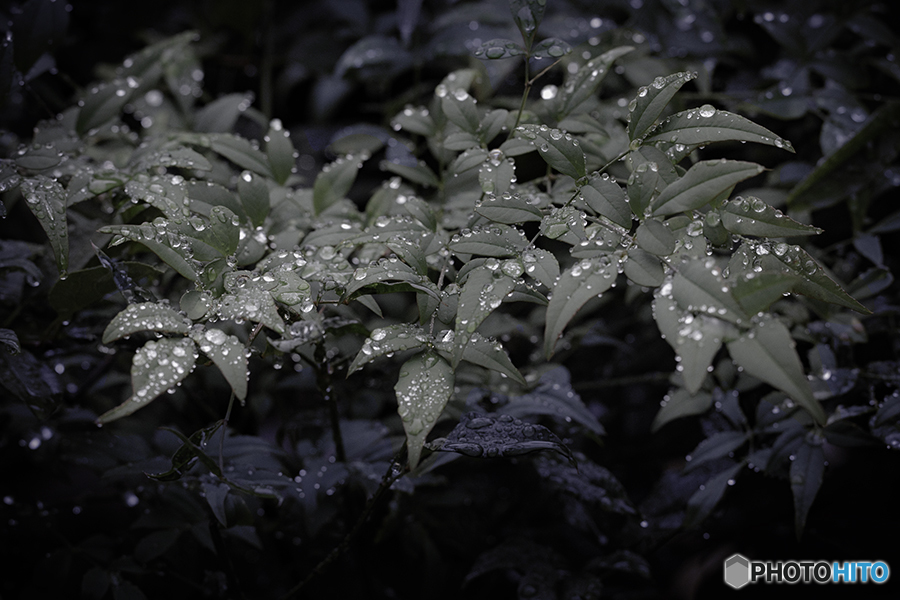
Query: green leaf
point(423, 389)
point(254, 194)
point(698, 286)
point(552, 48)
point(558, 149)
point(541, 266)
point(167, 193)
point(705, 125)
point(584, 82)
point(280, 150)
point(566, 224)
point(147, 316)
point(696, 339)
point(681, 403)
point(415, 120)
point(483, 292)
point(499, 48)
point(222, 232)
point(651, 101)
point(39, 159)
point(606, 197)
point(104, 103)
point(643, 185)
point(704, 500)
point(483, 352)
point(46, 198)
point(493, 240)
point(717, 445)
point(528, 15)
point(643, 268)
point(156, 367)
point(492, 124)
point(469, 159)
point(334, 181)
point(180, 157)
point(704, 182)
point(249, 300)
point(579, 283)
point(386, 270)
point(420, 173)
point(388, 340)
point(496, 176)
point(239, 151)
point(752, 216)
point(807, 472)
point(508, 209)
point(767, 352)
point(461, 109)
point(228, 353)
point(757, 293)
point(220, 115)
point(653, 236)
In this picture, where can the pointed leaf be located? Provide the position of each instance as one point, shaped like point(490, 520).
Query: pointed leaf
point(499, 48)
point(46, 198)
point(461, 109)
point(161, 244)
point(388, 340)
point(644, 269)
point(584, 82)
point(228, 353)
point(698, 286)
point(651, 101)
point(239, 151)
point(335, 180)
point(280, 150)
point(704, 125)
point(717, 445)
point(767, 352)
point(528, 15)
point(423, 389)
point(752, 216)
point(494, 240)
point(147, 316)
point(807, 472)
point(508, 208)
point(420, 173)
point(490, 436)
point(220, 115)
point(222, 232)
point(483, 352)
point(415, 120)
point(654, 237)
point(391, 269)
point(157, 366)
point(552, 48)
point(254, 194)
point(558, 149)
point(482, 293)
point(554, 396)
point(541, 265)
point(681, 403)
point(579, 283)
point(104, 103)
point(704, 500)
point(180, 157)
point(606, 197)
point(757, 293)
point(704, 182)
point(496, 176)
point(696, 339)
point(165, 192)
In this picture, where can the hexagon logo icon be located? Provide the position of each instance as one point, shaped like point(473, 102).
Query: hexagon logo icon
point(737, 571)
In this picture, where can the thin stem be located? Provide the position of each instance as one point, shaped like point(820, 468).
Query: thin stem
point(224, 432)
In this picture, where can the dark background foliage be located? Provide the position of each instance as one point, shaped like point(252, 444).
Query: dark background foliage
point(79, 516)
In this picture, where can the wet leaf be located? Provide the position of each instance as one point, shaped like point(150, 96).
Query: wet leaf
point(706, 181)
point(653, 236)
point(644, 268)
point(552, 48)
point(481, 294)
point(606, 197)
point(767, 352)
point(38, 159)
point(584, 280)
point(490, 436)
point(555, 397)
point(698, 286)
point(558, 148)
point(651, 101)
point(423, 389)
point(415, 120)
point(706, 124)
point(251, 303)
point(280, 150)
point(420, 173)
point(461, 109)
point(104, 103)
point(228, 353)
point(180, 157)
point(528, 15)
point(46, 199)
point(681, 403)
point(384, 271)
point(541, 266)
point(334, 181)
point(717, 445)
point(703, 501)
point(643, 186)
point(483, 352)
point(807, 472)
point(499, 241)
point(220, 115)
point(584, 82)
point(388, 340)
point(757, 293)
point(499, 48)
point(147, 316)
point(156, 367)
point(696, 339)
point(592, 485)
point(752, 216)
point(238, 150)
point(167, 193)
point(254, 194)
point(508, 209)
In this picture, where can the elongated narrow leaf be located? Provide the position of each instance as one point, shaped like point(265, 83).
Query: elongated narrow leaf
point(165, 192)
point(651, 101)
point(552, 48)
point(715, 446)
point(606, 197)
point(334, 181)
point(653, 236)
point(757, 293)
point(461, 109)
point(156, 367)
point(220, 115)
point(814, 280)
point(554, 396)
point(698, 286)
point(752, 216)
point(419, 173)
point(584, 82)
point(483, 292)
point(228, 353)
point(644, 268)
point(541, 266)
point(104, 103)
point(280, 150)
point(558, 148)
point(423, 389)
point(767, 352)
point(706, 124)
point(483, 352)
point(696, 339)
point(494, 240)
point(415, 120)
point(239, 151)
point(807, 472)
point(383, 271)
point(499, 48)
point(704, 500)
point(528, 15)
point(681, 403)
point(254, 194)
point(165, 243)
point(388, 340)
point(508, 209)
point(704, 182)
point(147, 316)
point(46, 198)
point(579, 283)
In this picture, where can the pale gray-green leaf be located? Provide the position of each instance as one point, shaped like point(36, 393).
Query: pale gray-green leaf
point(681, 403)
point(696, 339)
point(146, 316)
point(584, 82)
point(483, 352)
point(104, 103)
point(163, 241)
point(558, 148)
point(643, 268)
point(280, 150)
point(706, 124)
point(698, 286)
point(752, 216)
point(654, 237)
point(499, 48)
point(606, 197)
point(228, 353)
point(541, 266)
point(494, 240)
point(508, 209)
point(254, 195)
point(334, 181)
point(704, 182)
point(388, 340)
point(423, 389)
point(482, 293)
point(651, 101)
point(46, 199)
